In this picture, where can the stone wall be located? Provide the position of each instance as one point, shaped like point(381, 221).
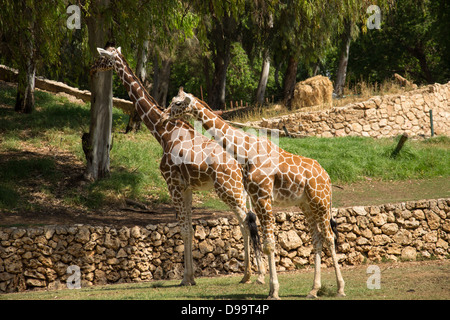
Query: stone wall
point(380, 116)
point(39, 257)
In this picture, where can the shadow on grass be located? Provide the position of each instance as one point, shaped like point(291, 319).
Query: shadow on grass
point(36, 181)
point(51, 112)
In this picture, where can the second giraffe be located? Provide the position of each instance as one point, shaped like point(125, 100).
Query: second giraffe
point(273, 174)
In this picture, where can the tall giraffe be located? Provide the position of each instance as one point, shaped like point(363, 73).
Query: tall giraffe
point(186, 166)
point(273, 174)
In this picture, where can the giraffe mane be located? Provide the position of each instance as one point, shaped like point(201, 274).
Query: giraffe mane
point(206, 106)
point(146, 94)
point(135, 78)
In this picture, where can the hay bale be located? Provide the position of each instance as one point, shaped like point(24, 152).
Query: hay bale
point(314, 91)
point(404, 82)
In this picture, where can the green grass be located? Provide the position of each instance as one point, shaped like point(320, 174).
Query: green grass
point(58, 124)
point(351, 159)
point(408, 280)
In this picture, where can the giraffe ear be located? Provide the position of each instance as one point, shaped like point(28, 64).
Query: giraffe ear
point(104, 52)
point(187, 100)
point(119, 49)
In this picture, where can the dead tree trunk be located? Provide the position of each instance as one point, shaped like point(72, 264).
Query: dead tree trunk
point(27, 69)
point(134, 122)
point(161, 78)
point(262, 84)
point(341, 74)
point(97, 143)
point(289, 81)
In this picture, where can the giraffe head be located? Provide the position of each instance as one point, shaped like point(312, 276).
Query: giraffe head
point(107, 59)
point(180, 105)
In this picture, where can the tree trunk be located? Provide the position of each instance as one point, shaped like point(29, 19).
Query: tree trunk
point(135, 121)
point(216, 97)
point(141, 60)
point(161, 79)
point(98, 142)
point(343, 59)
point(419, 54)
point(25, 88)
point(224, 31)
point(261, 90)
point(290, 78)
point(27, 69)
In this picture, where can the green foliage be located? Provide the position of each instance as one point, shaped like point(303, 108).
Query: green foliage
point(242, 80)
point(409, 43)
point(413, 40)
point(35, 21)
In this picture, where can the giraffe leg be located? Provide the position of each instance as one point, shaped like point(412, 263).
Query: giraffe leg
point(238, 205)
point(317, 284)
point(263, 208)
point(339, 278)
point(317, 244)
point(182, 199)
point(259, 258)
point(246, 236)
point(331, 245)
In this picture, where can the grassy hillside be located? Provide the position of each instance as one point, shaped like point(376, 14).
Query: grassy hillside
point(43, 151)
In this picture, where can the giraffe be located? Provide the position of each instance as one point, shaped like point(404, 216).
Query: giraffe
point(272, 174)
point(186, 166)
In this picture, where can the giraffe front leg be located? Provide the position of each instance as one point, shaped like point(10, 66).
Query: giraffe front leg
point(263, 209)
point(182, 200)
point(187, 234)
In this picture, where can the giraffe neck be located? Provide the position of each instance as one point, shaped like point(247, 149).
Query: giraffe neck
point(235, 141)
point(144, 104)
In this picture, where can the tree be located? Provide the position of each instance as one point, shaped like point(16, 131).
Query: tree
point(355, 13)
point(412, 42)
point(257, 36)
point(97, 143)
point(219, 27)
point(303, 31)
point(31, 32)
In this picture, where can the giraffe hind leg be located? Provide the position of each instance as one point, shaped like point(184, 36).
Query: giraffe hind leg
point(317, 244)
point(332, 247)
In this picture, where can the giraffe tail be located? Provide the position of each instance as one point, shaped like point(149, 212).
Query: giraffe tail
point(254, 235)
point(333, 224)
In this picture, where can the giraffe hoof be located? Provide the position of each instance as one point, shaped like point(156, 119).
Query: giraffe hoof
point(260, 281)
point(245, 280)
point(341, 294)
point(187, 283)
point(273, 297)
point(312, 294)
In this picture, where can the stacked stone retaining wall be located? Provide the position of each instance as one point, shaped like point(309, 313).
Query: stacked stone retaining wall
point(379, 117)
point(40, 257)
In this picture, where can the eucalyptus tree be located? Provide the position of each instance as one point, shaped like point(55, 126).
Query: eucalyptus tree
point(31, 34)
point(97, 142)
point(413, 41)
point(256, 38)
point(220, 24)
point(130, 24)
point(303, 30)
point(356, 14)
